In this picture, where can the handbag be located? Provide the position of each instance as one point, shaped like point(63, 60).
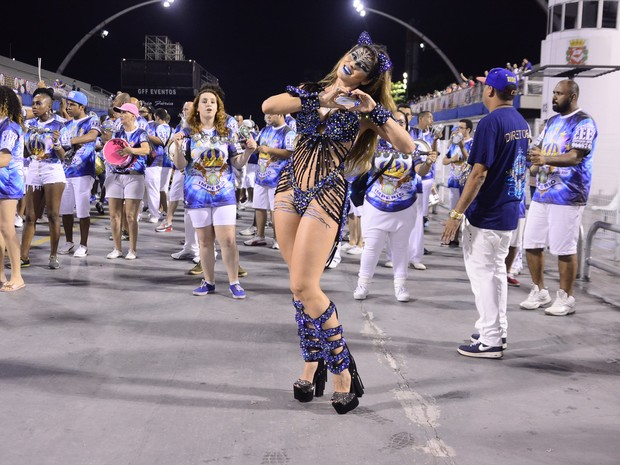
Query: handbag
point(360, 185)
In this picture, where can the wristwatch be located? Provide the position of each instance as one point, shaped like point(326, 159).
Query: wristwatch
point(456, 215)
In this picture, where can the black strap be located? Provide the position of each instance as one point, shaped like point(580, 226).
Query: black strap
point(380, 172)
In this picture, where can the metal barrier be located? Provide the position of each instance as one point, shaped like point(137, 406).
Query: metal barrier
point(589, 261)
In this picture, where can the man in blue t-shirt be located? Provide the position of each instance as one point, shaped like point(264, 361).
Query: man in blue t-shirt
point(489, 206)
point(562, 162)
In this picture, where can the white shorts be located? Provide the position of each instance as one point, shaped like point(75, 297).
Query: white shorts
point(239, 175)
point(355, 211)
point(555, 226)
point(263, 197)
point(216, 216)
point(249, 178)
point(124, 186)
point(77, 195)
point(517, 235)
point(41, 173)
point(176, 187)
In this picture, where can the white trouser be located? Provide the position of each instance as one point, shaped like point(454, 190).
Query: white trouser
point(484, 251)
point(377, 226)
point(152, 184)
point(455, 195)
point(427, 185)
point(191, 239)
point(416, 238)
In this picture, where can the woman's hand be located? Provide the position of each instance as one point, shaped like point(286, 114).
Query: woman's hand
point(250, 144)
point(328, 96)
point(126, 151)
point(55, 136)
point(367, 104)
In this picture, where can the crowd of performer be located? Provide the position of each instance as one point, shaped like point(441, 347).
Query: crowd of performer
point(297, 172)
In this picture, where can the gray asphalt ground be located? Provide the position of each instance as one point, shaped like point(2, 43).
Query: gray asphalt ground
point(113, 362)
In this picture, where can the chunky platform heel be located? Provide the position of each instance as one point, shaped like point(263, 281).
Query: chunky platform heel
point(344, 402)
point(305, 391)
point(311, 351)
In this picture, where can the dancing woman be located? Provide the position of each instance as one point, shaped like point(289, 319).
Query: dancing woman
point(11, 184)
point(312, 193)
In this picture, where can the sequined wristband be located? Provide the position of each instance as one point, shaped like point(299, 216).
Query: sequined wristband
point(379, 115)
point(309, 102)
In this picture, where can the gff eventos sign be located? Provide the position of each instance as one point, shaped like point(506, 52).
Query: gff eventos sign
point(577, 52)
point(156, 92)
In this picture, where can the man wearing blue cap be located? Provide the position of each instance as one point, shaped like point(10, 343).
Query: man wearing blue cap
point(489, 209)
point(79, 146)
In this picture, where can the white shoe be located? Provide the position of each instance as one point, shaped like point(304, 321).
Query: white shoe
point(114, 254)
point(248, 232)
point(536, 298)
point(182, 254)
point(196, 260)
point(355, 251)
point(154, 219)
point(335, 262)
point(389, 264)
point(275, 245)
point(361, 292)
point(66, 248)
point(563, 305)
point(81, 251)
point(19, 221)
point(131, 255)
point(401, 294)
point(346, 246)
point(255, 241)
point(417, 266)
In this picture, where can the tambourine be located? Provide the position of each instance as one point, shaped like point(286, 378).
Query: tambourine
point(438, 131)
point(456, 137)
point(112, 153)
point(423, 147)
point(244, 132)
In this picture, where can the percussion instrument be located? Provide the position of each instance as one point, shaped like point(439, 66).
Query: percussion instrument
point(111, 153)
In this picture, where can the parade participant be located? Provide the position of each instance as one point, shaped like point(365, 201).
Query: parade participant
point(489, 206)
point(208, 156)
point(388, 212)
point(78, 151)
point(158, 171)
point(46, 178)
point(12, 185)
point(312, 194)
point(275, 147)
point(562, 160)
point(456, 157)
point(125, 185)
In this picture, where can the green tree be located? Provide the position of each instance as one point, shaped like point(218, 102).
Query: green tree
point(399, 92)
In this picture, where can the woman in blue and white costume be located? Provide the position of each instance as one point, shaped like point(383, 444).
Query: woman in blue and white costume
point(12, 185)
point(46, 176)
point(389, 212)
point(207, 151)
point(126, 185)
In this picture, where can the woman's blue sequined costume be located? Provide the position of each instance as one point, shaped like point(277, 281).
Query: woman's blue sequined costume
point(317, 168)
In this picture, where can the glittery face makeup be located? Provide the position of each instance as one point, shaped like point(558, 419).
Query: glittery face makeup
point(363, 59)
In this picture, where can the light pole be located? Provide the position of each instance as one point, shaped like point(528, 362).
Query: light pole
point(362, 10)
point(94, 30)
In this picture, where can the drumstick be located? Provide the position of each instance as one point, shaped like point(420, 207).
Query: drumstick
point(40, 70)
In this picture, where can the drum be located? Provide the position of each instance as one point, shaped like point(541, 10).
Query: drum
point(111, 153)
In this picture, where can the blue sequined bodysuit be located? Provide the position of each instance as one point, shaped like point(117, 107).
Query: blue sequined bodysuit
point(316, 171)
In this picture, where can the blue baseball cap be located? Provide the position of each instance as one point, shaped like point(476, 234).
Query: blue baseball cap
point(77, 97)
point(501, 79)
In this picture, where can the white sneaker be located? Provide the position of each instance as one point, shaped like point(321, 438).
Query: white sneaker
point(114, 254)
point(417, 266)
point(19, 221)
point(275, 245)
point(346, 246)
point(131, 255)
point(335, 262)
point(66, 248)
point(248, 232)
point(563, 305)
point(182, 254)
point(401, 294)
point(154, 219)
point(255, 241)
point(536, 298)
point(355, 250)
point(361, 292)
point(81, 251)
point(389, 264)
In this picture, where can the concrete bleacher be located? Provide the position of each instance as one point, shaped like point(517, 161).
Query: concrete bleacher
point(24, 78)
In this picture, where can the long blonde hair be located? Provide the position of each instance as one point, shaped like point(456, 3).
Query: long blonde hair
point(379, 88)
point(220, 115)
